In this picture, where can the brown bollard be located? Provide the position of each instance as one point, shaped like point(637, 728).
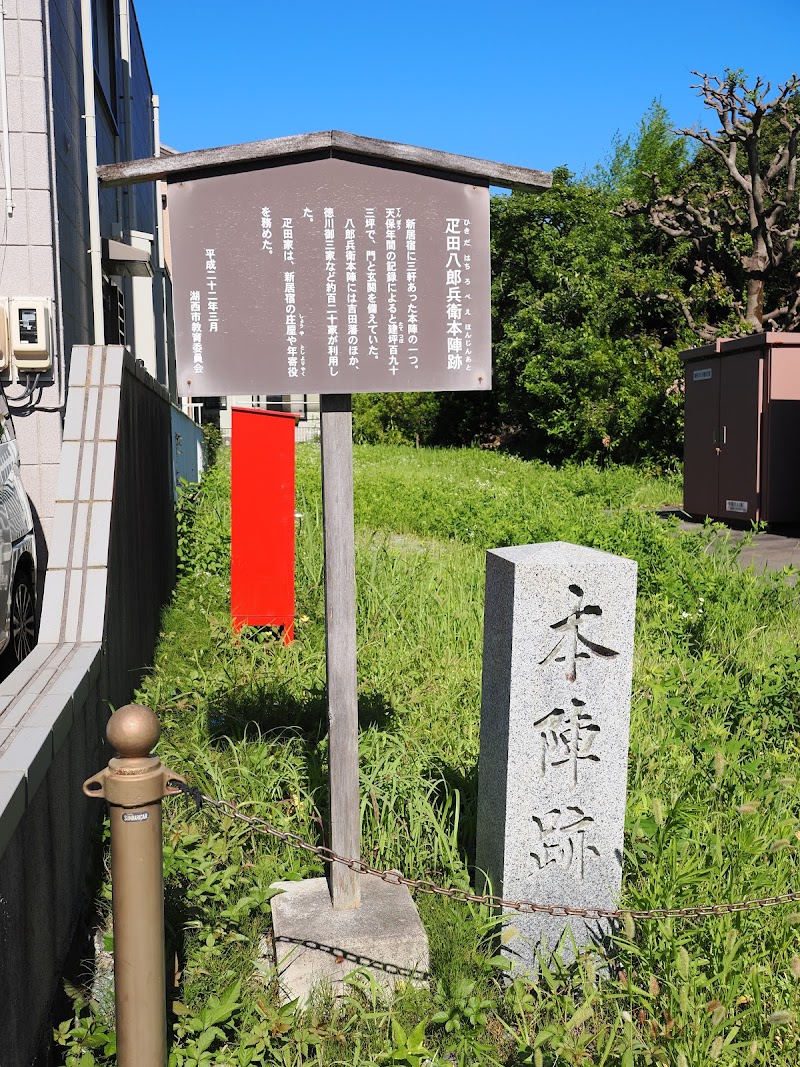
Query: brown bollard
point(134, 784)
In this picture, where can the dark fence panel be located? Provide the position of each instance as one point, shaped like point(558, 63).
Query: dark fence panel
point(141, 565)
point(112, 570)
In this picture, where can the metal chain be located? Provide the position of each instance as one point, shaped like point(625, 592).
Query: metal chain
point(424, 886)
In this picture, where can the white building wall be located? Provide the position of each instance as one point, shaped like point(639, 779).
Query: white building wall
point(28, 254)
point(44, 245)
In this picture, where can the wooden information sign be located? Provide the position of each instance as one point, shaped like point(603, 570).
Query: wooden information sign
point(330, 276)
point(333, 264)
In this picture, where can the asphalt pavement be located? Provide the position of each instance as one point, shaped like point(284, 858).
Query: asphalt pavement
point(770, 551)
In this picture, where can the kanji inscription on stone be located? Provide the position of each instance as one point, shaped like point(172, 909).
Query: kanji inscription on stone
point(558, 657)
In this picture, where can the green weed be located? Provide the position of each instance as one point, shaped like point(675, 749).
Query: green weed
point(713, 809)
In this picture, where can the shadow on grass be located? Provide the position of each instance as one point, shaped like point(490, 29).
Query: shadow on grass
point(264, 708)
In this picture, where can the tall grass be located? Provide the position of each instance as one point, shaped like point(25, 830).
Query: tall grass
point(713, 801)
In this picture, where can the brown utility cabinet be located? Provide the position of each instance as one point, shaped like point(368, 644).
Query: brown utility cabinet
point(742, 427)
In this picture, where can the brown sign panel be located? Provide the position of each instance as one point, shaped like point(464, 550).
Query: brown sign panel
point(330, 276)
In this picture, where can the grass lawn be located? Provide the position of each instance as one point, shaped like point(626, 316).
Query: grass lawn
point(713, 798)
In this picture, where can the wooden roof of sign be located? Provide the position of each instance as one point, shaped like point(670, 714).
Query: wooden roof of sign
point(184, 165)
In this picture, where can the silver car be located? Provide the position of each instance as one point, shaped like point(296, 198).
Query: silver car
point(17, 551)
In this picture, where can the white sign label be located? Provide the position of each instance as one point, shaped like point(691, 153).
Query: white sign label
point(702, 375)
point(135, 816)
point(736, 505)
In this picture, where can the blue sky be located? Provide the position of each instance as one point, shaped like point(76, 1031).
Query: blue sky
point(530, 83)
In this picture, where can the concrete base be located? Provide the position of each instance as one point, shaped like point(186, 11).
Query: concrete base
point(315, 945)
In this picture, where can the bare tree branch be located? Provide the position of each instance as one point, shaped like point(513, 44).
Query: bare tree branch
point(762, 192)
point(703, 330)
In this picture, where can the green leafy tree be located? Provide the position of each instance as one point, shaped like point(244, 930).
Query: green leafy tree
point(655, 149)
point(425, 418)
point(585, 343)
point(394, 418)
point(584, 352)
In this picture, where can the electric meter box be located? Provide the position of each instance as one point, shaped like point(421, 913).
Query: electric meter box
point(742, 414)
point(31, 335)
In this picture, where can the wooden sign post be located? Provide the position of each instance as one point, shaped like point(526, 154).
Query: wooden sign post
point(333, 264)
point(340, 642)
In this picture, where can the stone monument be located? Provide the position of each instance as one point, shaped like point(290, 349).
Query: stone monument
point(555, 714)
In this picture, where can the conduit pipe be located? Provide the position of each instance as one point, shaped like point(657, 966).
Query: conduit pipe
point(59, 364)
point(4, 111)
point(93, 189)
point(127, 118)
point(160, 222)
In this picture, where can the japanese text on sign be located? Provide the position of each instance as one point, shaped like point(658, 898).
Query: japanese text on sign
point(339, 275)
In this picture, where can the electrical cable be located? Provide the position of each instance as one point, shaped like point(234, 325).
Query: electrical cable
point(28, 392)
point(32, 409)
point(21, 411)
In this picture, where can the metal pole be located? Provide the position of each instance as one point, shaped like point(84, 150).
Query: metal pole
point(336, 423)
point(134, 784)
point(4, 112)
point(90, 121)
